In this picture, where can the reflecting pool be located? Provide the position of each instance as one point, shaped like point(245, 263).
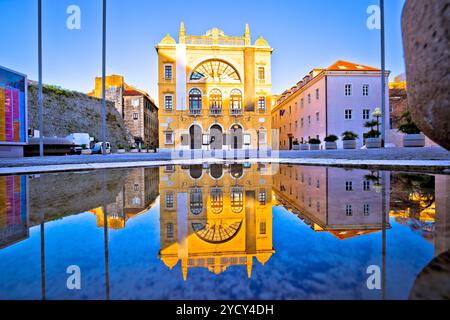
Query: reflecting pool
point(225, 231)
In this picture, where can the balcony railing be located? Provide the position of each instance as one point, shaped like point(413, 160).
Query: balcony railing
point(236, 112)
point(195, 112)
point(215, 111)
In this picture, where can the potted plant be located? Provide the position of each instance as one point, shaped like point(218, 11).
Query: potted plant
point(133, 149)
point(295, 145)
point(372, 137)
point(304, 146)
point(85, 149)
point(120, 148)
point(144, 148)
point(330, 142)
point(413, 136)
point(314, 144)
point(349, 140)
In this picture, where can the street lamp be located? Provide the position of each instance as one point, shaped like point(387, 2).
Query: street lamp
point(377, 114)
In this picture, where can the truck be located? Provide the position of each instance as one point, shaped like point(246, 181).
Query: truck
point(79, 142)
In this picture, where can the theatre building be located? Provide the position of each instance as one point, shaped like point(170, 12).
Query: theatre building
point(214, 92)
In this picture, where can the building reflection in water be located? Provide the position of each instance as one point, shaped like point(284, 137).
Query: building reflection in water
point(13, 210)
point(215, 216)
point(345, 203)
point(136, 197)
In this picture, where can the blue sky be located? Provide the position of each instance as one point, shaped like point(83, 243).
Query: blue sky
point(305, 35)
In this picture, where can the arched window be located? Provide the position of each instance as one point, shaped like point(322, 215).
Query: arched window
point(195, 100)
point(237, 200)
point(216, 200)
point(215, 100)
point(262, 104)
point(196, 201)
point(215, 71)
point(235, 101)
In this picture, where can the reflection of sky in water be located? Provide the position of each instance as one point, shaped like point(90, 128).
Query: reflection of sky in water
point(305, 265)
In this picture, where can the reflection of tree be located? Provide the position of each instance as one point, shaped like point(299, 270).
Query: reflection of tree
point(415, 191)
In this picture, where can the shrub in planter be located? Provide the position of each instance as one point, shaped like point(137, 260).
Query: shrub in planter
point(120, 148)
point(349, 140)
point(413, 136)
point(133, 149)
point(330, 142)
point(314, 144)
point(304, 146)
point(372, 137)
point(295, 145)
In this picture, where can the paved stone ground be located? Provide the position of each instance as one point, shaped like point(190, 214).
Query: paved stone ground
point(433, 153)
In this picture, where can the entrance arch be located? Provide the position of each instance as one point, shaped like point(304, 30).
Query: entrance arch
point(195, 135)
point(216, 137)
point(236, 135)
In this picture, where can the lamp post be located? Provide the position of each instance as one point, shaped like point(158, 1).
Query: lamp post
point(40, 98)
point(377, 114)
point(104, 80)
point(383, 73)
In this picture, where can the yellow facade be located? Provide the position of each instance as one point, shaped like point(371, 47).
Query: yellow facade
point(215, 217)
point(214, 92)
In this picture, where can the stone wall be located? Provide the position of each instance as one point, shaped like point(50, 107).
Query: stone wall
point(67, 112)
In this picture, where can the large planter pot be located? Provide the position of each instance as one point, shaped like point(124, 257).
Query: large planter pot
point(330, 145)
point(314, 147)
point(349, 144)
point(144, 150)
point(373, 143)
point(86, 151)
point(304, 146)
point(414, 140)
point(134, 150)
point(120, 150)
point(296, 147)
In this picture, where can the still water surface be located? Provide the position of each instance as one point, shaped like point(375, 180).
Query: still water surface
point(232, 231)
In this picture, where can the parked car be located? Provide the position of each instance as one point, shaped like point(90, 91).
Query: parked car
point(97, 148)
point(79, 142)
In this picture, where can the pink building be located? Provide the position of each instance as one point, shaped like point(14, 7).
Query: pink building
point(329, 101)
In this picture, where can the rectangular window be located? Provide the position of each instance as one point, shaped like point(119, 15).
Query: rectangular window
point(317, 94)
point(309, 119)
point(169, 137)
point(169, 200)
point(366, 209)
point(309, 98)
point(348, 210)
point(348, 186)
point(262, 197)
point(136, 187)
point(366, 114)
point(168, 72)
point(261, 74)
point(366, 185)
point(168, 103)
point(262, 227)
point(135, 116)
point(169, 230)
point(317, 116)
point(296, 124)
point(262, 104)
point(301, 122)
point(348, 89)
point(365, 90)
point(302, 103)
point(348, 114)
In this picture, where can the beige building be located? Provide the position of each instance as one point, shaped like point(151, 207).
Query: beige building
point(215, 216)
point(137, 108)
point(214, 92)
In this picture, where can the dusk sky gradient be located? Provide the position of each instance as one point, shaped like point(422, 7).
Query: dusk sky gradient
point(304, 35)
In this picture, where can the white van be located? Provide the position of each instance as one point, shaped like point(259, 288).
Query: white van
point(78, 140)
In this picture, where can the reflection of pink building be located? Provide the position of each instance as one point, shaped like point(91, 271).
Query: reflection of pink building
point(329, 101)
point(345, 203)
